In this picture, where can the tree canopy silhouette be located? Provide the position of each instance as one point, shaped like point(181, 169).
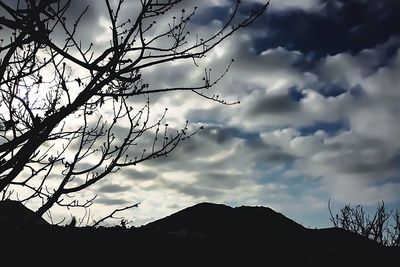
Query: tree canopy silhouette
point(69, 111)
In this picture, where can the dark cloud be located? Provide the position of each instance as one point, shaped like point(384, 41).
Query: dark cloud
point(223, 13)
point(111, 201)
point(211, 140)
point(340, 27)
point(113, 188)
point(274, 154)
point(221, 135)
point(274, 104)
point(133, 174)
point(88, 28)
point(355, 144)
point(197, 192)
point(93, 12)
point(208, 14)
point(387, 167)
point(218, 180)
point(207, 183)
point(255, 144)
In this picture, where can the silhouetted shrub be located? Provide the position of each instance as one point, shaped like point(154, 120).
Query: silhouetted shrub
point(383, 226)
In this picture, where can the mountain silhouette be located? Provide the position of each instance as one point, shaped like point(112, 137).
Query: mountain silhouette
point(15, 213)
point(252, 235)
point(205, 234)
point(217, 219)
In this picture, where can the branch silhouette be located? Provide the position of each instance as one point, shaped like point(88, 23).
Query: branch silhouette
point(111, 215)
point(64, 101)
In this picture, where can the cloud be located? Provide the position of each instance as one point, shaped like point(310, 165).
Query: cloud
point(340, 26)
point(112, 188)
point(131, 173)
point(111, 201)
point(331, 128)
point(274, 104)
point(305, 132)
point(307, 5)
point(318, 119)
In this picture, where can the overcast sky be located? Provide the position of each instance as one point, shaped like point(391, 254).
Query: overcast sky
point(319, 118)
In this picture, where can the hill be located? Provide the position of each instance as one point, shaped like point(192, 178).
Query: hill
point(203, 235)
point(15, 213)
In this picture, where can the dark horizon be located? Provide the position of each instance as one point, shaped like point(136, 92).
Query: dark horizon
point(207, 232)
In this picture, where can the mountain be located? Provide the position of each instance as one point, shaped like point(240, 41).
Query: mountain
point(207, 219)
point(252, 235)
point(205, 234)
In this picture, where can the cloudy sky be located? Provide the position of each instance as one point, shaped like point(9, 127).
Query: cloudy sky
point(319, 118)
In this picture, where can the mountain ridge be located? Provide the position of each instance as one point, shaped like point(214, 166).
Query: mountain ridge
point(213, 217)
point(15, 213)
point(205, 234)
point(253, 234)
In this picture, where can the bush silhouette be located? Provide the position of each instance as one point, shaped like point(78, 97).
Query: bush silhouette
point(383, 226)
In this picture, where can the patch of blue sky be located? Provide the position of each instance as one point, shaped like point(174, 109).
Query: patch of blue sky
point(330, 128)
point(332, 90)
point(295, 94)
point(238, 133)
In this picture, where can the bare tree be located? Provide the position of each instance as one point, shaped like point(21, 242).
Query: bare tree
point(382, 227)
point(63, 101)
